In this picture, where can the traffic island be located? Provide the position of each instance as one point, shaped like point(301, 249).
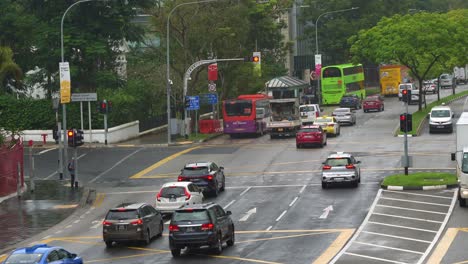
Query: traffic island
point(420, 181)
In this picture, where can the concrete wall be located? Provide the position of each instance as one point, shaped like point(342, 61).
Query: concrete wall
point(114, 135)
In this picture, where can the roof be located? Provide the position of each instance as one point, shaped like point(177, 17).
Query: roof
point(129, 206)
point(310, 126)
point(36, 249)
point(199, 164)
point(463, 120)
point(285, 82)
point(441, 107)
point(181, 184)
point(283, 100)
point(339, 155)
point(196, 206)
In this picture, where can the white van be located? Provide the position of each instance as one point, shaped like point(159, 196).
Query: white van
point(440, 119)
point(403, 86)
point(309, 113)
point(446, 81)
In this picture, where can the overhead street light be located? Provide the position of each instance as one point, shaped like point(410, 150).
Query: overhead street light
point(316, 33)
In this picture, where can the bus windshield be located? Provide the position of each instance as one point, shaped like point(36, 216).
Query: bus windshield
point(238, 108)
point(464, 165)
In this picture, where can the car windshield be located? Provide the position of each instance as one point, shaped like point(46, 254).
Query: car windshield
point(24, 259)
point(190, 215)
point(338, 162)
point(465, 163)
point(405, 86)
point(173, 191)
point(195, 171)
point(307, 130)
point(440, 113)
point(238, 108)
point(307, 108)
point(120, 214)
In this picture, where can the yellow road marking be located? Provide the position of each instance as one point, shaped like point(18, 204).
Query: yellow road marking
point(335, 247)
point(3, 257)
point(99, 199)
point(245, 259)
point(443, 246)
point(125, 257)
point(65, 206)
point(161, 162)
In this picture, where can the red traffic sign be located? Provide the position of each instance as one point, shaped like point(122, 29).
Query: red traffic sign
point(213, 72)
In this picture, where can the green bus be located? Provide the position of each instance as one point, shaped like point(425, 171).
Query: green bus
point(338, 80)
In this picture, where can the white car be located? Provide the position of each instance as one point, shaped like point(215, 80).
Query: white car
point(309, 113)
point(174, 195)
point(403, 86)
point(440, 119)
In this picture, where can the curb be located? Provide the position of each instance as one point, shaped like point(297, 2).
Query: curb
point(419, 188)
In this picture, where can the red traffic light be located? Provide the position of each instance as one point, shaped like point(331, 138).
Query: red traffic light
point(404, 92)
point(403, 117)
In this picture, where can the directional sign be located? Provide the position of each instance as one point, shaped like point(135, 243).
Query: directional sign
point(84, 97)
point(209, 98)
point(194, 102)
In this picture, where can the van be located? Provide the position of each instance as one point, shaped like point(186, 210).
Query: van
point(440, 119)
point(309, 113)
point(403, 86)
point(446, 81)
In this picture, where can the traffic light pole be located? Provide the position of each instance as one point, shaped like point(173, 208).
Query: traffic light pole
point(76, 167)
point(406, 138)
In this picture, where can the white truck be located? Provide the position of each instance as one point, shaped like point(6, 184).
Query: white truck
point(461, 156)
point(285, 119)
point(461, 74)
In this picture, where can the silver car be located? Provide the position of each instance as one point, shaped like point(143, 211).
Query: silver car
point(345, 115)
point(341, 167)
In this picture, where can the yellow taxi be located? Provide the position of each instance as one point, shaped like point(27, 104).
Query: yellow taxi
point(328, 124)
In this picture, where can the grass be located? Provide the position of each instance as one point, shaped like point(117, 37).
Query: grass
point(419, 116)
point(420, 179)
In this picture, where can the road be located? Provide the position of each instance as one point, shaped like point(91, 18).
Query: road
point(293, 221)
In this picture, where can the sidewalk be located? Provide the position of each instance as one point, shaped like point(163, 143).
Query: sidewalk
point(28, 215)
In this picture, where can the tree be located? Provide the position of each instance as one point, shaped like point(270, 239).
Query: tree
point(10, 72)
point(418, 41)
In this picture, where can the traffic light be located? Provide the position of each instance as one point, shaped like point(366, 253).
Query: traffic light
point(406, 95)
point(105, 107)
point(256, 58)
point(406, 122)
point(78, 138)
point(71, 137)
point(109, 106)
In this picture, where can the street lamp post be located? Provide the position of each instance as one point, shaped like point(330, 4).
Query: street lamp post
point(168, 76)
point(64, 106)
point(316, 35)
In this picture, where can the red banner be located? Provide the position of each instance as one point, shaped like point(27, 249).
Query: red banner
point(213, 72)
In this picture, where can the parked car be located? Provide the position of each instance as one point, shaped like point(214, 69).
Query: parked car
point(403, 86)
point(309, 113)
point(206, 175)
point(373, 102)
point(132, 222)
point(42, 254)
point(201, 225)
point(329, 125)
point(339, 168)
point(174, 195)
point(345, 115)
point(441, 119)
point(352, 101)
point(311, 135)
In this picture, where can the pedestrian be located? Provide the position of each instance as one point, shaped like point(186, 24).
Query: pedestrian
point(71, 170)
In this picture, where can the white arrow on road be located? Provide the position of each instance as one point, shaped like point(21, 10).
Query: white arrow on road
point(248, 214)
point(326, 211)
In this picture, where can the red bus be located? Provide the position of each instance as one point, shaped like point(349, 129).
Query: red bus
point(247, 114)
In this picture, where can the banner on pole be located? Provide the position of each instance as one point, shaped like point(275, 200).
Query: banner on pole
point(318, 65)
point(65, 83)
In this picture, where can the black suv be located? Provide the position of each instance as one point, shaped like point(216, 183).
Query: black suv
point(132, 222)
point(206, 175)
point(350, 100)
point(200, 225)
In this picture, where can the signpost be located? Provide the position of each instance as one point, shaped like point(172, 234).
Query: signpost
point(85, 97)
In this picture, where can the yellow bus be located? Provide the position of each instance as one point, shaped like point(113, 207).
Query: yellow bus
point(390, 77)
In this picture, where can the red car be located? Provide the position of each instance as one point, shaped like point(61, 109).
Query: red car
point(373, 102)
point(311, 135)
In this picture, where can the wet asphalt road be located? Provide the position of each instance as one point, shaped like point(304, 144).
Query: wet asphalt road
point(281, 182)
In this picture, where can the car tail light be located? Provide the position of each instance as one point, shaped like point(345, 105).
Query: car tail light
point(158, 196)
point(208, 226)
point(350, 166)
point(137, 222)
point(333, 114)
point(106, 223)
point(208, 177)
point(331, 125)
point(180, 178)
point(187, 195)
point(173, 228)
point(326, 167)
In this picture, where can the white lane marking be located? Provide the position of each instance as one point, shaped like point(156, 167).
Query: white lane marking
point(293, 201)
point(303, 188)
point(115, 165)
point(248, 214)
point(46, 237)
point(269, 228)
point(229, 204)
point(392, 248)
point(56, 172)
point(246, 190)
point(405, 227)
point(326, 211)
point(410, 218)
point(411, 201)
point(281, 215)
point(441, 229)
point(167, 222)
point(374, 258)
point(58, 232)
point(68, 226)
point(76, 221)
point(399, 237)
point(419, 194)
point(97, 223)
point(410, 209)
point(360, 229)
point(45, 151)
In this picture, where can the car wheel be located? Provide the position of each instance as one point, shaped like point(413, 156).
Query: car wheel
point(108, 243)
point(232, 239)
point(218, 247)
point(325, 143)
point(175, 252)
point(462, 202)
point(324, 185)
point(298, 146)
point(161, 229)
point(215, 192)
point(339, 132)
point(223, 187)
point(147, 238)
point(355, 183)
point(272, 136)
point(321, 145)
point(383, 108)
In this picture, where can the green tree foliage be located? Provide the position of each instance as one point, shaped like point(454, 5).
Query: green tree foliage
point(418, 41)
point(10, 72)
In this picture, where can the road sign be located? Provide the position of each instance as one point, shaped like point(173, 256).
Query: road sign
point(194, 102)
point(213, 72)
point(212, 87)
point(210, 98)
point(84, 97)
point(65, 84)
